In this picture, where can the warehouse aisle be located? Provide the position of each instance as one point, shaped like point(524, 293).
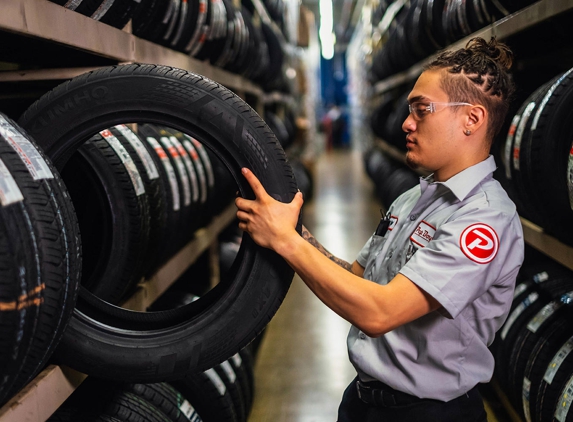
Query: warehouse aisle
point(302, 367)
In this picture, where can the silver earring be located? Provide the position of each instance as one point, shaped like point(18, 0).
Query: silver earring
point(468, 132)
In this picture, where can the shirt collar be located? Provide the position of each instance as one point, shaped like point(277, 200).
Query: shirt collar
point(465, 181)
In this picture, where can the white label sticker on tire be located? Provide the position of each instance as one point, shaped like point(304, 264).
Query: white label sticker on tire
point(541, 316)
point(200, 169)
point(189, 165)
point(508, 144)
point(126, 160)
point(519, 133)
point(521, 287)
point(28, 153)
point(517, 312)
point(102, 9)
point(525, 398)
point(546, 98)
point(228, 370)
point(168, 169)
point(187, 409)
point(142, 152)
point(557, 360)
point(564, 402)
point(9, 190)
point(237, 359)
point(206, 160)
point(216, 380)
point(180, 169)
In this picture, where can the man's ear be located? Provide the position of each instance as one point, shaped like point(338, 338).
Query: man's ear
point(475, 118)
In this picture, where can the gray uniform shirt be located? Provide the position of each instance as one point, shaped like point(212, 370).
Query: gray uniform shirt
point(461, 241)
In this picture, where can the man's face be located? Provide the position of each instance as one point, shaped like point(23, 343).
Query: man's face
point(432, 141)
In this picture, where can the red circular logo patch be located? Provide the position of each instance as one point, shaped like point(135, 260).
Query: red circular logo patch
point(479, 242)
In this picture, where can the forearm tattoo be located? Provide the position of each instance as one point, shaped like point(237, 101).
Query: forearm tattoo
point(311, 239)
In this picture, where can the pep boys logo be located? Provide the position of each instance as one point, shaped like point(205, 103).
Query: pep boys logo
point(479, 242)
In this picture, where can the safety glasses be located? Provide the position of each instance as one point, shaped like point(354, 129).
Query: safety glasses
point(420, 110)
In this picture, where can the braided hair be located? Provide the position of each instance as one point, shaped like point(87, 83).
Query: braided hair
point(479, 75)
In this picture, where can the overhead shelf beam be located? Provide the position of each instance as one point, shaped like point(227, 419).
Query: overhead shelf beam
point(48, 21)
point(510, 25)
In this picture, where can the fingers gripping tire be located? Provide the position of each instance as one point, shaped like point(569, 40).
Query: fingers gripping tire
point(160, 346)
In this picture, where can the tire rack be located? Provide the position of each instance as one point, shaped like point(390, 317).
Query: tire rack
point(41, 19)
point(510, 25)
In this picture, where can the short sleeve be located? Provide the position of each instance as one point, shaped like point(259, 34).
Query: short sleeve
point(467, 256)
point(362, 258)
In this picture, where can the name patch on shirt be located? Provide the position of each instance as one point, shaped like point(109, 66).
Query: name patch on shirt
point(393, 222)
point(479, 242)
point(423, 234)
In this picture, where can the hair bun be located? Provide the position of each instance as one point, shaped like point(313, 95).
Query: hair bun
point(495, 50)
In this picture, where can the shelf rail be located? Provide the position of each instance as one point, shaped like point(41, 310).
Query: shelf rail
point(37, 19)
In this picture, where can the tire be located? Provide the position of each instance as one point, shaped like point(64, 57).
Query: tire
point(556, 378)
point(230, 377)
point(115, 13)
point(209, 395)
point(525, 344)
point(113, 217)
point(154, 347)
point(99, 397)
point(544, 350)
point(156, 189)
point(190, 26)
point(171, 185)
point(523, 309)
point(548, 157)
point(243, 364)
point(166, 399)
point(519, 148)
point(40, 258)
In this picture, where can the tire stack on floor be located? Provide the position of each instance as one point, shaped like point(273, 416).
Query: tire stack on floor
point(144, 175)
point(532, 350)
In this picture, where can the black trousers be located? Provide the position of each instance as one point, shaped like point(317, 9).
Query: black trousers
point(466, 408)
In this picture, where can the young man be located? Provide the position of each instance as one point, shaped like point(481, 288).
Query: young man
point(435, 282)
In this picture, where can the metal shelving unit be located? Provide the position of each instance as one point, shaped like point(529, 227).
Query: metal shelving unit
point(510, 25)
point(41, 397)
point(44, 21)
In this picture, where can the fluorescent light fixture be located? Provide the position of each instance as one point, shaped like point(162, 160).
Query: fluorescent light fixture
point(325, 32)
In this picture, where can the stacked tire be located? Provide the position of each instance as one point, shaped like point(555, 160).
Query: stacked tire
point(533, 361)
point(146, 166)
point(223, 393)
point(421, 27)
point(40, 258)
point(537, 157)
point(391, 179)
point(208, 30)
